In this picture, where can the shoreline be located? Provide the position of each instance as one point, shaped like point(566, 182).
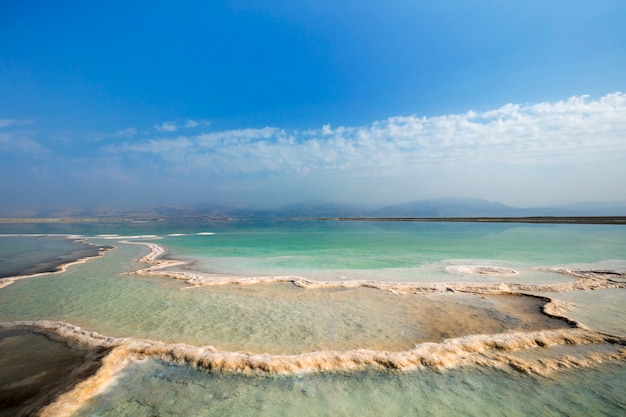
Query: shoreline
point(58, 367)
point(472, 219)
point(529, 219)
point(60, 268)
point(497, 351)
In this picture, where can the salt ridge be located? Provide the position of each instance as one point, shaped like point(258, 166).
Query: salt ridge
point(496, 351)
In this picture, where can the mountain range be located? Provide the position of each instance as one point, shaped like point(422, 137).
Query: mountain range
point(431, 208)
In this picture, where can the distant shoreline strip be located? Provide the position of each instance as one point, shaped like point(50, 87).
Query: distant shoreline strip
point(534, 219)
point(530, 219)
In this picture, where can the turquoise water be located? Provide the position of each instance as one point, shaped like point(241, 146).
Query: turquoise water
point(370, 245)
point(101, 296)
point(366, 245)
point(398, 251)
point(392, 251)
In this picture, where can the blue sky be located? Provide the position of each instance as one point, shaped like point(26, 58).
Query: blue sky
point(263, 103)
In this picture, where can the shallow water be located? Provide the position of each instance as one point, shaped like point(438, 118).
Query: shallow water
point(282, 318)
point(23, 255)
point(273, 318)
point(153, 388)
point(603, 310)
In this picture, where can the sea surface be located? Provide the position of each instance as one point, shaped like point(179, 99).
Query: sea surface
point(320, 317)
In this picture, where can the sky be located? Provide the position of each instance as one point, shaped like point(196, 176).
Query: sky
point(262, 103)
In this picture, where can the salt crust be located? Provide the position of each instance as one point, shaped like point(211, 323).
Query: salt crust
point(482, 270)
point(495, 350)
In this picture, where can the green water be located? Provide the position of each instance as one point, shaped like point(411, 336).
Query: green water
point(152, 388)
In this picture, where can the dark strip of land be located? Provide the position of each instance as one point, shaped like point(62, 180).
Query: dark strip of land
point(57, 220)
point(536, 219)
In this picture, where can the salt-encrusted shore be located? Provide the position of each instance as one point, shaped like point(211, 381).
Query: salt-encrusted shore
point(497, 351)
point(586, 280)
point(39, 366)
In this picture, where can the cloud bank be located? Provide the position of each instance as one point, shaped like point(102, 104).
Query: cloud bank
point(474, 152)
point(546, 153)
point(513, 134)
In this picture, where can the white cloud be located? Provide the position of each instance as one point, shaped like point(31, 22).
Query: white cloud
point(512, 135)
point(515, 150)
point(166, 127)
point(521, 154)
point(238, 136)
point(14, 138)
point(161, 147)
point(7, 122)
point(13, 122)
point(126, 133)
point(20, 142)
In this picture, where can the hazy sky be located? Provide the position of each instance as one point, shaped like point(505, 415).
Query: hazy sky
point(260, 103)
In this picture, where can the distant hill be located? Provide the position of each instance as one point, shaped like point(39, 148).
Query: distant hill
point(448, 207)
point(433, 208)
point(321, 209)
point(473, 207)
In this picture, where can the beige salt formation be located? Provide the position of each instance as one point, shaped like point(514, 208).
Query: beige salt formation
point(38, 367)
point(497, 350)
point(482, 270)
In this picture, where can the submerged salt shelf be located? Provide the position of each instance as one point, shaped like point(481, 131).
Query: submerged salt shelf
point(155, 388)
point(389, 309)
